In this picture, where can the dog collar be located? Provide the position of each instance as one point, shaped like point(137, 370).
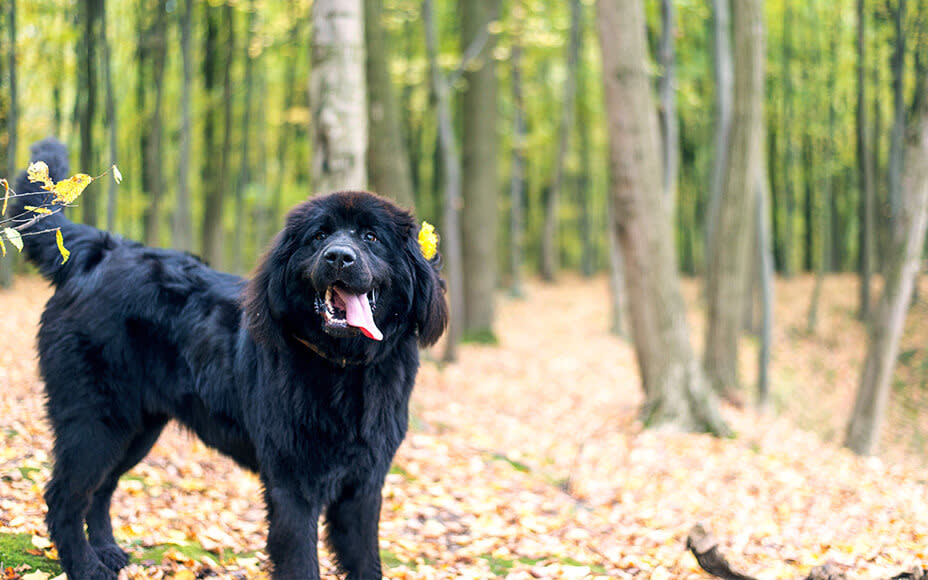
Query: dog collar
point(340, 361)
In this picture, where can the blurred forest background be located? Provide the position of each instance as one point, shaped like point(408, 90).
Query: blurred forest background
point(783, 134)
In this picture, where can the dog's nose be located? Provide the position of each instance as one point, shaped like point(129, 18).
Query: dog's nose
point(340, 256)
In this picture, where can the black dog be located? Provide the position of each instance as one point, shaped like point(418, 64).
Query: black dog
point(302, 374)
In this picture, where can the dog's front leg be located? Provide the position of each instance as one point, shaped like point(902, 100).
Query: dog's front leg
point(292, 535)
point(352, 522)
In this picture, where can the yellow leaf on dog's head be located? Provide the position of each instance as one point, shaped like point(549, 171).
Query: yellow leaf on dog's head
point(59, 239)
point(38, 172)
point(428, 240)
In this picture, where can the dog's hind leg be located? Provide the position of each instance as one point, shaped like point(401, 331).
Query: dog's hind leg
point(99, 525)
point(85, 451)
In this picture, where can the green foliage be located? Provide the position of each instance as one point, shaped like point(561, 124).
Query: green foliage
point(16, 550)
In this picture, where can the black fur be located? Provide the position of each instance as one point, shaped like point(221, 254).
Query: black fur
point(134, 337)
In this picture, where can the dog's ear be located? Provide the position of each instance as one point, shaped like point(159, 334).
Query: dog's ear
point(429, 305)
point(265, 295)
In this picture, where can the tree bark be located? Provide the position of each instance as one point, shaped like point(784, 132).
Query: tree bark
point(897, 138)
point(156, 49)
point(183, 214)
point(729, 260)
point(479, 182)
point(387, 159)
point(211, 230)
point(864, 170)
point(337, 96)
point(764, 245)
point(789, 147)
point(886, 327)
point(676, 394)
point(451, 165)
point(549, 245)
point(667, 87)
point(724, 79)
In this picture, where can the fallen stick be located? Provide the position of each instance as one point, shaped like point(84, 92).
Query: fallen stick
point(705, 548)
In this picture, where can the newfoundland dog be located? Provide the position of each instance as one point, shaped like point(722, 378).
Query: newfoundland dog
point(302, 374)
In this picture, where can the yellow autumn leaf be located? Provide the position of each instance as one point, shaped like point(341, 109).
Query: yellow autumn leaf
point(6, 195)
point(67, 190)
point(37, 575)
point(34, 209)
point(38, 172)
point(184, 575)
point(59, 239)
point(117, 176)
point(2, 247)
point(41, 543)
point(428, 240)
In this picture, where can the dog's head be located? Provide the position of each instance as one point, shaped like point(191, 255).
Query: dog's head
point(345, 274)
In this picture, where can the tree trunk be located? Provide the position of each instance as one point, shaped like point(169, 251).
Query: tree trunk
point(111, 120)
point(886, 327)
point(667, 86)
point(729, 260)
point(549, 245)
point(225, 159)
point(517, 182)
point(12, 125)
point(244, 174)
point(897, 138)
point(789, 148)
point(724, 79)
point(337, 96)
point(387, 159)
point(183, 216)
point(479, 183)
point(585, 186)
point(447, 147)
point(864, 170)
point(676, 394)
point(87, 99)
point(617, 290)
point(211, 230)
point(156, 40)
point(764, 245)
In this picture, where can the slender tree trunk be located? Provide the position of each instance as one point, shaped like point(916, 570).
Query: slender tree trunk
point(676, 394)
point(387, 159)
point(225, 160)
point(886, 326)
point(447, 146)
point(244, 175)
point(12, 124)
point(864, 170)
point(728, 265)
point(723, 67)
point(549, 244)
point(764, 245)
point(183, 216)
point(670, 130)
point(897, 138)
point(585, 186)
point(479, 181)
point(337, 96)
point(111, 120)
point(517, 182)
point(789, 147)
point(211, 229)
point(87, 99)
point(154, 185)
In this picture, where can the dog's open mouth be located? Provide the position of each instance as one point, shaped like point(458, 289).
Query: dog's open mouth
point(343, 310)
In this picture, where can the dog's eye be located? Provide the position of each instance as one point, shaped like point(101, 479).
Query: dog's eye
point(320, 236)
point(370, 237)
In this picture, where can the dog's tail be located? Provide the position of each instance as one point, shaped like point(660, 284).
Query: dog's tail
point(38, 230)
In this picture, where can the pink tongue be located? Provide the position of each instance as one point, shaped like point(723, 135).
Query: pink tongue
point(358, 313)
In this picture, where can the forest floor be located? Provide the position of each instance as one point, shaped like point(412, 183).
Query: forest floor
point(525, 460)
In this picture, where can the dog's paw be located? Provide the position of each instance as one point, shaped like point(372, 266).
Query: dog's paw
point(112, 556)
